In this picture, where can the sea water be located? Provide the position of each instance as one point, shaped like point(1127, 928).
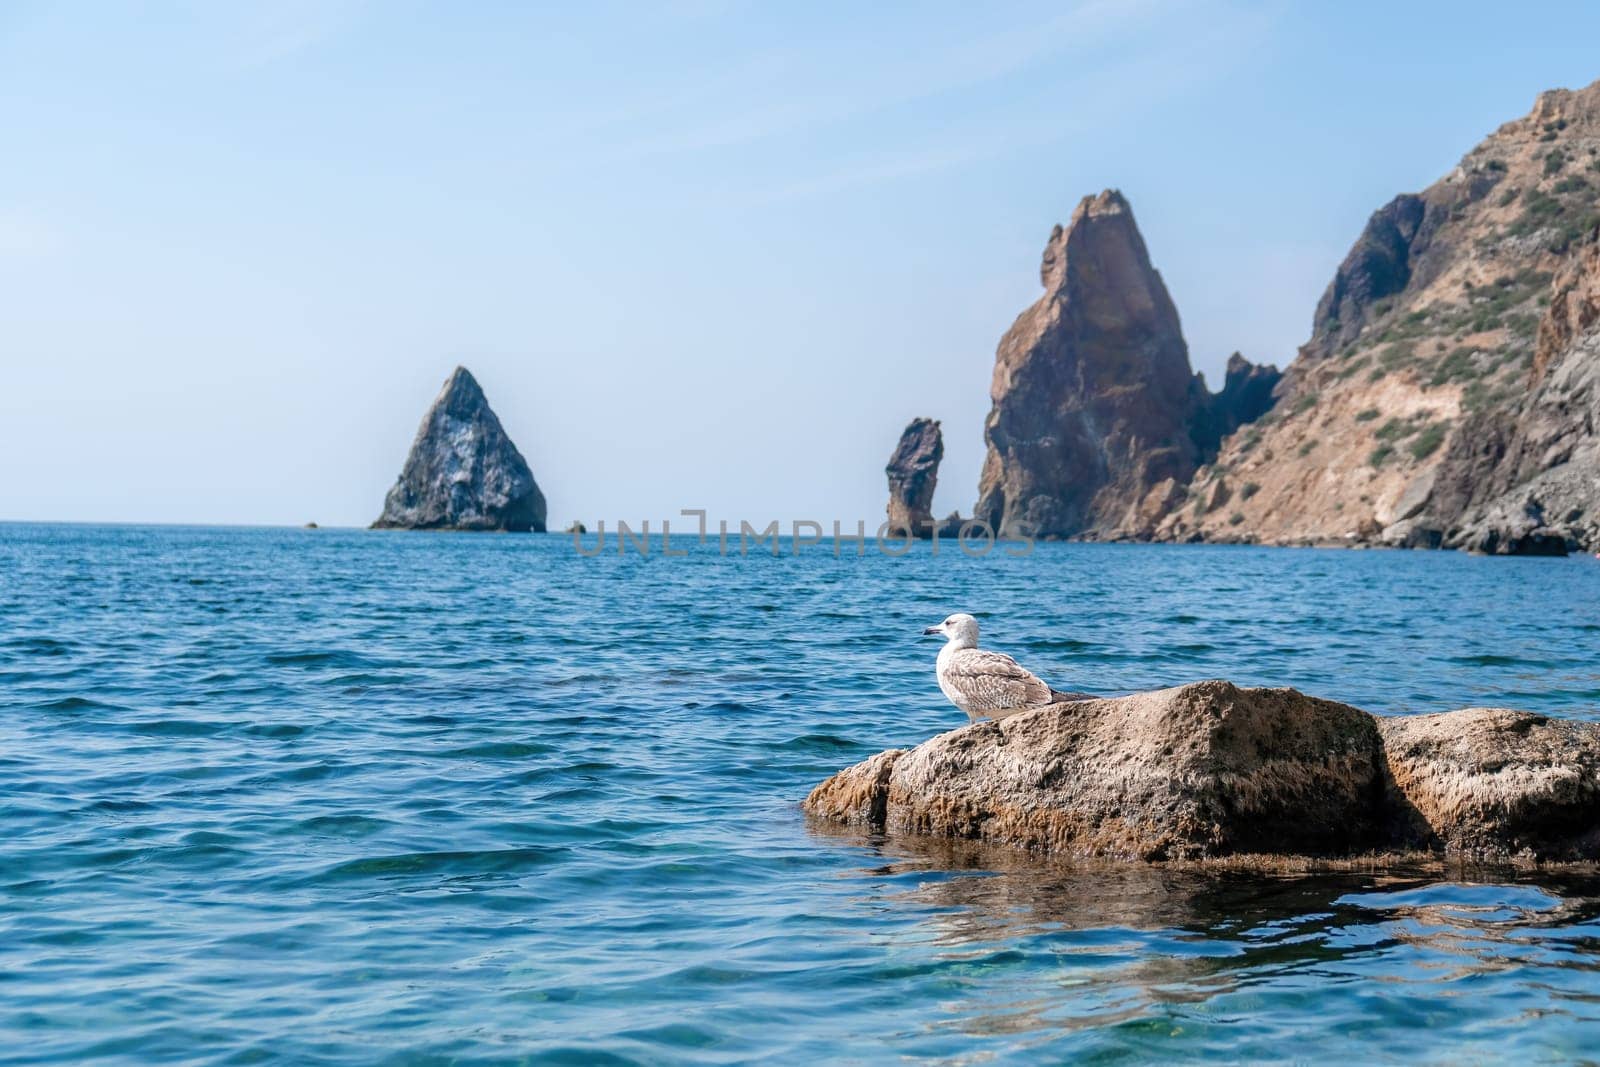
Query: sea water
point(284, 796)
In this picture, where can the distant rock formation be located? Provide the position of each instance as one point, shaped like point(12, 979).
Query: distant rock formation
point(1378, 266)
point(1098, 420)
point(913, 472)
point(1437, 402)
point(1211, 771)
point(463, 472)
point(1247, 394)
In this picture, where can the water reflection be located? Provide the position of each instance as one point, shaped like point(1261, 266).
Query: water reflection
point(1138, 946)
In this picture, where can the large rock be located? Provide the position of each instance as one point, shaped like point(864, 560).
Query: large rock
point(463, 472)
point(1093, 394)
point(1204, 770)
point(1490, 782)
point(913, 473)
point(1211, 770)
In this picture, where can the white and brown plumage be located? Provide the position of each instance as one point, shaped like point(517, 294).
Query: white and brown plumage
point(984, 684)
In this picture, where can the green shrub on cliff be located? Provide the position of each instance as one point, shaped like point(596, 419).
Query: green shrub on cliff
point(1428, 440)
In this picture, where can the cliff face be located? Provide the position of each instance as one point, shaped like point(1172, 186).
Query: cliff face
point(1098, 420)
point(1525, 479)
point(463, 472)
point(1424, 347)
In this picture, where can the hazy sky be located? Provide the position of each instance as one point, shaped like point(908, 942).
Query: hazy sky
point(706, 254)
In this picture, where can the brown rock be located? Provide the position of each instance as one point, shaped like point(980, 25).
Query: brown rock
point(1200, 771)
point(1093, 394)
point(856, 795)
point(1209, 771)
point(1488, 782)
point(913, 472)
point(1574, 307)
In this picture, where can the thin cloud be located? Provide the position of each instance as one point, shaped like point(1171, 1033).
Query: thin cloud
point(29, 235)
point(1137, 84)
point(915, 77)
point(261, 35)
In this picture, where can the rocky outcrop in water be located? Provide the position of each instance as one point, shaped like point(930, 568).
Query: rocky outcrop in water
point(1098, 421)
point(1211, 770)
point(463, 472)
point(913, 472)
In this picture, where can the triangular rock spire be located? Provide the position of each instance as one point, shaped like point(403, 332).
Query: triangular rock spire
point(463, 472)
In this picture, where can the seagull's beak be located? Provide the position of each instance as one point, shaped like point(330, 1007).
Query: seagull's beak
point(930, 630)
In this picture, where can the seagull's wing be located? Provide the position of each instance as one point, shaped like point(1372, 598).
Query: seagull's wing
point(992, 681)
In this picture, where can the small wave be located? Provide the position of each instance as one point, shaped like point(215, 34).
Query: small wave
point(276, 731)
point(499, 750)
point(491, 861)
point(1493, 660)
point(38, 646)
point(324, 658)
point(819, 742)
point(176, 728)
point(75, 703)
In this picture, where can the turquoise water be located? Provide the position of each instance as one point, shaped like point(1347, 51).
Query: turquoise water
point(281, 796)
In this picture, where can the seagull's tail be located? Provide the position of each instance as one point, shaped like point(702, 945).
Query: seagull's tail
point(1058, 697)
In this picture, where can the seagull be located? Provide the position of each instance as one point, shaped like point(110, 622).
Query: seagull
point(987, 685)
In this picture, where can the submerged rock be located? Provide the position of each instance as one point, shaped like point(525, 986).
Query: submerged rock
point(1211, 770)
point(463, 472)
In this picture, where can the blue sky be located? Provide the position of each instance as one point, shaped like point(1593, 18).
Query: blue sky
point(700, 254)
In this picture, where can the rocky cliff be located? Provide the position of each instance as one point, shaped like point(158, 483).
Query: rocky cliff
point(1525, 478)
point(463, 472)
point(1448, 369)
point(1098, 421)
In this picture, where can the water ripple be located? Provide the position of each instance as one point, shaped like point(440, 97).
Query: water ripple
point(345, 797)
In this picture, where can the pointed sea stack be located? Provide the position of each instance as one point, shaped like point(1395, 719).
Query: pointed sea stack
point(1090, 434)
point(463, 472)
point(913, 473)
